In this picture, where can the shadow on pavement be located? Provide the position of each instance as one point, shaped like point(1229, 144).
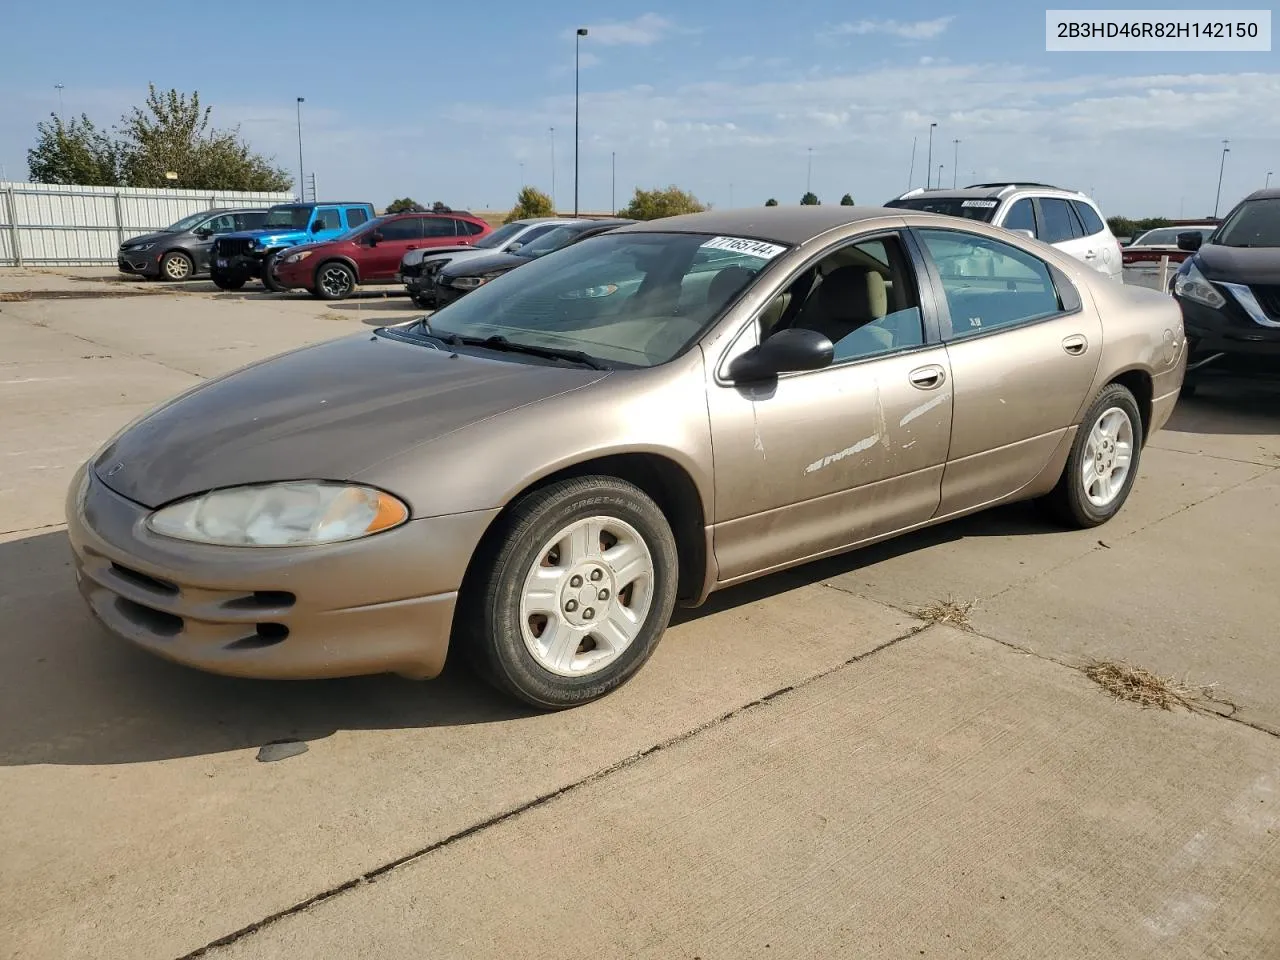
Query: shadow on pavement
point(1229, 405)
point(70, 693)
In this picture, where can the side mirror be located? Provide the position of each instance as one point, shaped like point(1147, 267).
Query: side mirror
point(1024, 233)
point(787, 351)
point(1190, 241)
point(318, 226)
point(204, 233)
point(375, 238)
point(514, 246)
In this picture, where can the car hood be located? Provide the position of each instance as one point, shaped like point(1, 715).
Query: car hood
point(328, 411)
point(1239, 264)
point(146, 237)
point(489, 263)
point(267, 237)
point(417, 256)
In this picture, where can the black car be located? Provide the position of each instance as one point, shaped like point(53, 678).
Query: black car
point(181, 250)
point(455, 280)
point(1229, 291)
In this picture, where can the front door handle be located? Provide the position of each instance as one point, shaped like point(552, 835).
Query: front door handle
point(927, 378)
point(1075, 345)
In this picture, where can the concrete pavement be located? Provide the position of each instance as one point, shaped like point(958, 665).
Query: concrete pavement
point(801, 765)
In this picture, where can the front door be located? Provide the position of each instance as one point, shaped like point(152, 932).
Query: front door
point(396, 238)
point(1023, 351)
point(826, 459)
point(200, 247)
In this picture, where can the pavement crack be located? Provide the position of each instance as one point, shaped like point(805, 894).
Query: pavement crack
point(372, 875)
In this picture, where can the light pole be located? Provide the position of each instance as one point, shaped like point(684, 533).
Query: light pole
point(554, 208)
point(302, 177)
point(1267, 185)
point(521, 174)
point(577, 38)
point(955, 164)
point(940, 166)
point(928, 167)
point(1222, 166)
point(911, 175)
point(808, 184)
point(613, 182)
point(61, 110)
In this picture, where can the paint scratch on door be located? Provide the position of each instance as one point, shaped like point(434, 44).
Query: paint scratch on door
point(864, 444)
point(755, 426)
point(924, 408)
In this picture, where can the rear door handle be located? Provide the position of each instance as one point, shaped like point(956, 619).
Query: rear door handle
point(1075, 345)
point(927, 378)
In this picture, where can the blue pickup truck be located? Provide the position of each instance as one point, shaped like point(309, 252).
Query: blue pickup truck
point(239, 257)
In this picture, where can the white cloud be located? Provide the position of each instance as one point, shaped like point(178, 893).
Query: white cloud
point(910, 30)
point(644, 30)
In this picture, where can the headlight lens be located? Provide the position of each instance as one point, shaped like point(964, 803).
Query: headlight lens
point(298, 257)
point(1193, 285)
point(291, 514)
point(470, 283)
point(139, 247)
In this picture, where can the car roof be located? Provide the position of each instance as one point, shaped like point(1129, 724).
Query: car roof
point(784, 225)
point(1269, 194)
point(994, 191)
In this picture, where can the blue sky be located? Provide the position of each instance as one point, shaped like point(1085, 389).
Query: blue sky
point(447, 100)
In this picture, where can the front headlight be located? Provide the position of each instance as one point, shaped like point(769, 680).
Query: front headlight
point(139, 247)
point(289, 514)
point(251, 244)
point(1193, 285)
point(298, 257)
point(469, 283)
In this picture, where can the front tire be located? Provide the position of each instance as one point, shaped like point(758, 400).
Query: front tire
point(268, 274)
point(1103, 463)
point(334, 281)
point(575, 594)
point(224, 281)
point(176, 266)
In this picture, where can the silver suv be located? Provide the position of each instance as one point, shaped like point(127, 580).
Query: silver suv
point(1066, 219)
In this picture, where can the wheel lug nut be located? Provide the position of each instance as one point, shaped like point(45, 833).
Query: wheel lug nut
point(571, 605)
point(575, 581)
point(597, 574)
point(589, 613)
point(602, 595)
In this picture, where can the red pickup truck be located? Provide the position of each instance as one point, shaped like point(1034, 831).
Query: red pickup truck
point(371, 253)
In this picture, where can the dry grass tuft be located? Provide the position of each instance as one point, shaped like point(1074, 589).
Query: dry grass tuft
point(1125, 682)
point(952, 611)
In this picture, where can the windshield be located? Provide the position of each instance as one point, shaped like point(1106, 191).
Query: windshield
point(626, 299)
point(968, 208)
point(551, 240)
point(1168, 236)
point(295, 217)
point(1255, 223)
point(501, 237)
point(186, 223)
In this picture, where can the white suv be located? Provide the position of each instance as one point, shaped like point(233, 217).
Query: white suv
point(1067, 219)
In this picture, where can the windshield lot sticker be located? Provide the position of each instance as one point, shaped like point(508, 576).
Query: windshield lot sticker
point(755, 248)
point(980, 203)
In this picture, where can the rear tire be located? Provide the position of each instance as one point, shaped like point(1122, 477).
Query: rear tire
point(225, 281)
point(176, 266)
point(1103, 463)
point(574, 594)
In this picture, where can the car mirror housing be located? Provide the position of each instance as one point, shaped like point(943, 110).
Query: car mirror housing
point(1190, 241)
point(375, 238)
point(1025, 233)
point(787, 351)
point(317, 226)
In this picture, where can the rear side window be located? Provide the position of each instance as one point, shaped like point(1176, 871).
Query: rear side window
point(1058, 223)
point(468, 228)
point(1022, 216)
point(356, 216)
point(1089, 217)
point(410, 228)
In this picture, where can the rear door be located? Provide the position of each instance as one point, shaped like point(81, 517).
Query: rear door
point(398, 237)
point(1110, 258)
point(1060, 226)
point(1023, 351)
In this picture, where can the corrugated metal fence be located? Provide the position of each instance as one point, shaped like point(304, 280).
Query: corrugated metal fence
point(45, 224)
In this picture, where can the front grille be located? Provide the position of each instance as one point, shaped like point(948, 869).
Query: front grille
point(1268, 297)
point(144, 581)
point(232, 247)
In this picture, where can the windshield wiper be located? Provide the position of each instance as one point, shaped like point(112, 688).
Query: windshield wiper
point(499, 342)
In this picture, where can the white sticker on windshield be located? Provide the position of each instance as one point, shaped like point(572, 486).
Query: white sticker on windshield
point(754, 248)
point(980, 203)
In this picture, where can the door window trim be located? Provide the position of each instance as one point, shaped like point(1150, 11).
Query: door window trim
point(925, 293)
point(1069, 298)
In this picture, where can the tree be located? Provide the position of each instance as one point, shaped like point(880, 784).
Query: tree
point(771, 202)
point(405, 205)
point(531, 202)
point(846, 200)
point(1125, 227)
point(173, 134)
point(657, 203)
point(810, 199)
point(75, 153)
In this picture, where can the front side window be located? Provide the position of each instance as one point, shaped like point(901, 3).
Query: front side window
point(1022, 216)
point(225, 223)
point(1058, 223)
point(1255, 223)
point(630, 299)
point(988, 284)
point(862, 297)
point(327, 218)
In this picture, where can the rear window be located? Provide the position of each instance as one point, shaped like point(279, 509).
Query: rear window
point(1089, 217)
point(970, 208)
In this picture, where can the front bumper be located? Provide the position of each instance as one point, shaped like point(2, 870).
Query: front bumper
point(380, 605)
point(138, 264)
point(238, 265)
point(1248, 347)
point(295, 276)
